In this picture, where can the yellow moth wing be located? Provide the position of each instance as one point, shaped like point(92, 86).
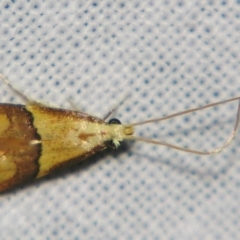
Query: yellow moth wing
point(35, 140)
point(4, 123)
point(7, 168)
point(66, 136)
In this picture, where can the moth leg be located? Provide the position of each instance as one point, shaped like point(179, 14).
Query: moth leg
point(24, 97)
point(73, 105)
point(115, 108)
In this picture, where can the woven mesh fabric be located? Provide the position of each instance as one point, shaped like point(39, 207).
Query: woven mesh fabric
point(167, 56)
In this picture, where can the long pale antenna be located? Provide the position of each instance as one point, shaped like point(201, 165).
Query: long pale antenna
point(216, 150)
point(185, 112)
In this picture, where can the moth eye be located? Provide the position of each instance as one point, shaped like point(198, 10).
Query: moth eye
point(114, 121)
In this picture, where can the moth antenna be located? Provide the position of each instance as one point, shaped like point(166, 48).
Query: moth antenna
point(184, 112)
point(214, 151)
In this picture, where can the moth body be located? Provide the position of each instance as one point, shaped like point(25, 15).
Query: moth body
point(35, 140)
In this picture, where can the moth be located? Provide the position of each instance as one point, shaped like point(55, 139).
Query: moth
point(35, 139)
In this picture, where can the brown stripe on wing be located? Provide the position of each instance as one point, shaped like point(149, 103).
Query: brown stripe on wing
point(18, 158)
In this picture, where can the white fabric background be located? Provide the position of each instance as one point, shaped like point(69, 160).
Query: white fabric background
point(168, 56)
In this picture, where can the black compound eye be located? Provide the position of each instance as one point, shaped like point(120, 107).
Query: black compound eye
point(114, 121)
